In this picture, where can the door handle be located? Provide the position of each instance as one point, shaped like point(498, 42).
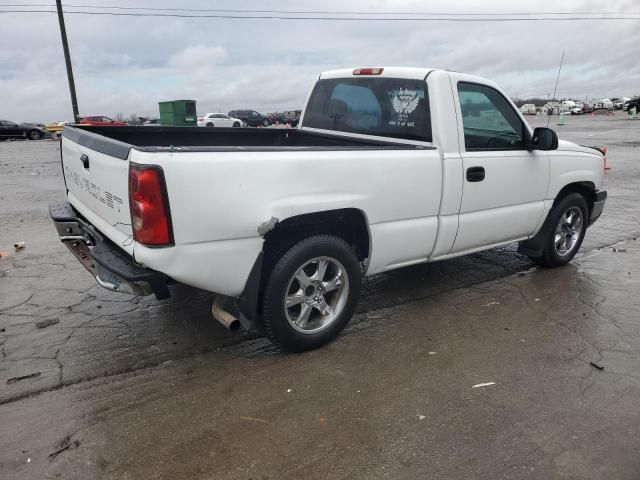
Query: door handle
point(84, 158)
point(475, 174)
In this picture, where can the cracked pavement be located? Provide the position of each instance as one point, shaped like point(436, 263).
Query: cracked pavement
point(375, 404)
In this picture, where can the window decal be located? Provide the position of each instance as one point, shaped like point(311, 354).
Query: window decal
point(404, 103)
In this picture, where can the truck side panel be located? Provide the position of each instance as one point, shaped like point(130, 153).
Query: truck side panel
point(222, 198)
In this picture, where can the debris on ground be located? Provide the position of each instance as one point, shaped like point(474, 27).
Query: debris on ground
point(433, 353)
point(490, 304)
point(596, 365)
point(481, 385)
point(66, 444)
point(23, 377)
point(251, 419)
point(47, 323)
point(421, 417)
point(19, 245)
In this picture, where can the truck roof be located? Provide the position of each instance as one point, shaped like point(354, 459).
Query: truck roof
point(394, 72)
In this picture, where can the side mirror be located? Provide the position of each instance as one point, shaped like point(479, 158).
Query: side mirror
point(544, 139)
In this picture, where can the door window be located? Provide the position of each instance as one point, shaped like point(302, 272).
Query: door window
point(489, 120)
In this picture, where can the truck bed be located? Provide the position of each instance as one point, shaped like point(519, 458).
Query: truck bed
point(117, 141)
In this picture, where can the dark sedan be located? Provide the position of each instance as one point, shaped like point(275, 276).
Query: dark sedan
point(20, 130)
point(250, 118)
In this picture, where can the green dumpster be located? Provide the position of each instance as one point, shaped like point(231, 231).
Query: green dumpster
point(178, 113)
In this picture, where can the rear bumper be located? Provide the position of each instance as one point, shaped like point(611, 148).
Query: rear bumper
point(112, 268)
point(598, 206)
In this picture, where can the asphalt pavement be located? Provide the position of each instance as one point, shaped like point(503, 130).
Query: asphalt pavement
point(130, 387)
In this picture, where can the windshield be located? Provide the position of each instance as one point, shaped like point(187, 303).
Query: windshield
point(388, 107)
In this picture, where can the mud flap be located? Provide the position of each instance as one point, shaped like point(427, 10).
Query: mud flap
point(248, 300)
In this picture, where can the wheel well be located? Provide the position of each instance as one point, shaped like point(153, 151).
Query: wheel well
point(586, 189)
point(349, 224)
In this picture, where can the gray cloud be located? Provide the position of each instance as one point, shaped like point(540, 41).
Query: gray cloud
point(127, 65)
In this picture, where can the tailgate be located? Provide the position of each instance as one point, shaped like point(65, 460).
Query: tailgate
point(97, 179)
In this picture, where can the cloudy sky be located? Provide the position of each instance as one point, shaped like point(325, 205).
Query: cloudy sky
point(127, 64)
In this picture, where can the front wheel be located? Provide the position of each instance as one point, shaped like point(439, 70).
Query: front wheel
point(236, 124)
point(34, 135)
point(311, 293)
point(564, 231)
point(266, 123)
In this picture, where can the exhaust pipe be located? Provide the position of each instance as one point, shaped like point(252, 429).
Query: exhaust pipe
point(220, 314)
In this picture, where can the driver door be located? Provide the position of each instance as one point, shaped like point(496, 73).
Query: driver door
point(504, 184)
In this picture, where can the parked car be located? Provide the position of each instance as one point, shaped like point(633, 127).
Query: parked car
point(292, 117)
point(250, 118)
point(218, 120)
point(577, 111)
point(12, 130)
point(528, 109)
point(289, 221)
point(276, 117)
point(587, 108)
point(101, 121)
point(151, 122)
point(634, 102)
point(55, 129)
point(602, 104)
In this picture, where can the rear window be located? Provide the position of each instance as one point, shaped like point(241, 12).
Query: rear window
point(387, 107)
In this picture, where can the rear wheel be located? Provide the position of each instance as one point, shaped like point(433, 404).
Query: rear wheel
point(209, 124)
point(265, 122)
point(244, 123)
point(311, 293)
point(564, 231)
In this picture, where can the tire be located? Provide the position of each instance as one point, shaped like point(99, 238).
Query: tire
point(34, 135)
point(316, 315)
point(266, 122)
point(244, 124)
point(210, 124)
point(236, 124)
point(560, 222)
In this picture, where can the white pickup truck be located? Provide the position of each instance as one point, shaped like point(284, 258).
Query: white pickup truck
point(389, 167)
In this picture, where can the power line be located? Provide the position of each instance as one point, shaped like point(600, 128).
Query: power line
point(318, 12)
point(333, 18)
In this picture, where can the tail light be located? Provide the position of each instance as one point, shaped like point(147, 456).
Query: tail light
point(368, 71)
point(150, 216)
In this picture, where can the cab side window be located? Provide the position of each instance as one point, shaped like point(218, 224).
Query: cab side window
point(489, 120)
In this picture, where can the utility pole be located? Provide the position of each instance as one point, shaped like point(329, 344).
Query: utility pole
point(67, 60)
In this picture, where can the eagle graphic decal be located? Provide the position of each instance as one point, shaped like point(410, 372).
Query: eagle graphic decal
point(404, 102)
